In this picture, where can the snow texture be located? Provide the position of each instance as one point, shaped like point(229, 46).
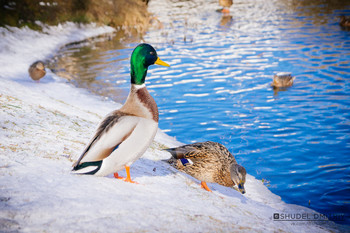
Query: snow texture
point(46, 125)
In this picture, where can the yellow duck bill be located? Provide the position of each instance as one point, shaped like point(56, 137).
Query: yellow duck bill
point(161, 63)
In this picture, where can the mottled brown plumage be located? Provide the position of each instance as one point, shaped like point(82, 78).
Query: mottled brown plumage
point(283, 79)
point(209, 162)
point(37, 70)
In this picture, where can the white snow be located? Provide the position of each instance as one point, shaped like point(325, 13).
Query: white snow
point(44, 128)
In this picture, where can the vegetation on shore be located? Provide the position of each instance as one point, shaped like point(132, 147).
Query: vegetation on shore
point(127, 14)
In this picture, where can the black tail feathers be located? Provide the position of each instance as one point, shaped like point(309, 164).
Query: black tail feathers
point(93, 164)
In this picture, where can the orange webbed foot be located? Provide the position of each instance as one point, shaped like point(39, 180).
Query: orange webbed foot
point(128, 177)
point(116, 175)
point(205, 186)
point(130, 181)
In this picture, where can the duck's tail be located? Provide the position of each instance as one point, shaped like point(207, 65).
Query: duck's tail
point(178, 155)
point(178, 152)
point(87, 168)
point(171, 151)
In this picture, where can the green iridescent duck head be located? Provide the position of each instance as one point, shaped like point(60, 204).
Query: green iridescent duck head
point(142, 57)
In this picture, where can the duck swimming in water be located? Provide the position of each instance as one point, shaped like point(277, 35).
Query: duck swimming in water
point(125, 134)
point(282, 79)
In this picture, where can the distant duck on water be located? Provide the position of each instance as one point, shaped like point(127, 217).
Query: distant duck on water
point(125, 134)
point(37, 70)
point(209, 162)
point(282, 79)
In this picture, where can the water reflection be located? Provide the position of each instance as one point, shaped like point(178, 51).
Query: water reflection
point(88, 63)
point(274, 135)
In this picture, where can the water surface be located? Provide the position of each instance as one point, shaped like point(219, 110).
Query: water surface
point(218, 88)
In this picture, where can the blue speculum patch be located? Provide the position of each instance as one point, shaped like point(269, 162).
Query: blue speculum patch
point(185, 162)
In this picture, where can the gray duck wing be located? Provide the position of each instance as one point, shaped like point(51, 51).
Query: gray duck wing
point(190, 151)
point(107, 123)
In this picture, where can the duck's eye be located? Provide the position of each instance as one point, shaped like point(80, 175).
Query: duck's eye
point(152, 53)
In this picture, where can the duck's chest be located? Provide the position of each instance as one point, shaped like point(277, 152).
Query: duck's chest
point(141, 103)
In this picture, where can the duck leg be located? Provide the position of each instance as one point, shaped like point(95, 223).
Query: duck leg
point(116, 175)
point(205, 186)
point(128, 177)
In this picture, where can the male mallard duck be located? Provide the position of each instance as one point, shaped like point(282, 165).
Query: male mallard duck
point(344, 22)
point(37, 70)
point(226, 4)
point(283, 79)
point(125, 134)
point(209, 162)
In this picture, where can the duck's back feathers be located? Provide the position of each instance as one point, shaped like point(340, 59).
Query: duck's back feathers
point(182, 152)
point(201, 150)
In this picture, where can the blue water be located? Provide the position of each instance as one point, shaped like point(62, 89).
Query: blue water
point(218, 88)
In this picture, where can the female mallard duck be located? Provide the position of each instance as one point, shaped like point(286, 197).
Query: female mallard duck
point(125, 134)
point(209, 162)
point(37, 70)
point(282, 79)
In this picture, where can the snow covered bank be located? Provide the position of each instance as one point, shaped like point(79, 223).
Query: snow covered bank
point(44, 128)
point(21, 47)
